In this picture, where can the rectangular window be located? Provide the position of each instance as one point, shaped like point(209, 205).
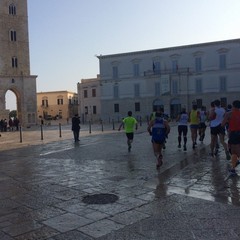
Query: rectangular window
point(115, 91)
point(175, 87)
point(116, 108)
point(93, 92)
point(222, 61)
point(94, 110)
point(136, 70)
point(174, 66)
point(115, 72)
point(137, 107)
point(157, 89)
point(85, 93)
point(198, 64)
point(157, 67)
point(86, 110)
point(45, 103)
point(60, 101)
point(136, 90)
point(198, 85)
point(223, 84)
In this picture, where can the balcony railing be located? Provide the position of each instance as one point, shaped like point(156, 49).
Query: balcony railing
point(184, 71)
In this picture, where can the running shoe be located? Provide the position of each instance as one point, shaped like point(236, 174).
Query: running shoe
point(160, 162)
point(164, 146)
point(184, 148)
point(179, 145)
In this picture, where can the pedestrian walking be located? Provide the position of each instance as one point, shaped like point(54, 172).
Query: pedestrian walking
point(216, 118)
point(158, 128)
point(129, 123)
point(233, 119)
point(76, 127)
point(182, 120)
point(194, 118)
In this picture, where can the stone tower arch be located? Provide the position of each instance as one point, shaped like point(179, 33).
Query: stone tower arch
point(14, 61)
point(17, 94)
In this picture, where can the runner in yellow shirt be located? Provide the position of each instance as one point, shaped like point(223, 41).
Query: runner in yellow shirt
point(194, 118)
point(129, 123)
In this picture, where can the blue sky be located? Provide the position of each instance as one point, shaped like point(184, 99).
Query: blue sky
point(65, 36)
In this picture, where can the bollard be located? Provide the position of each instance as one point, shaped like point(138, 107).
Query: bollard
point(20, 128)
point(102, 124)
point(113, 124)
point(60, 130)
point(140, 121)
point(41, 132)
point(90, 127)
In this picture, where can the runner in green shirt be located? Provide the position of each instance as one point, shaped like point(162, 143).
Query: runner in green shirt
point(129, 123)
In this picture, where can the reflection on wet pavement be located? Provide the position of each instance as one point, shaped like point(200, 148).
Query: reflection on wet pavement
point(43, 186)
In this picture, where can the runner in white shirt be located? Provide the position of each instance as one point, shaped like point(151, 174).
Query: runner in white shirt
point(182, 120)
point(216, 118)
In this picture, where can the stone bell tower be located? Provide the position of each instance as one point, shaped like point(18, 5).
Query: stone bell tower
point(14, 61)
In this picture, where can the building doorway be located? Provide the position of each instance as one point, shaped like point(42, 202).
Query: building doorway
point(175, 108)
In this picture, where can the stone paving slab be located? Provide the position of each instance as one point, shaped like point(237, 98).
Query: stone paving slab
point(43, 183)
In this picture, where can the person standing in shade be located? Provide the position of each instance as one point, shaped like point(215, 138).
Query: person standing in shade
point(129, 123)
point(194, 124)
point(158, 128)
point(76, 127)
point(233, 119)
point(182, 120)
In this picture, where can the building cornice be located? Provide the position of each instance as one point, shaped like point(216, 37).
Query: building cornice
point(58, 92)
point(169, 49)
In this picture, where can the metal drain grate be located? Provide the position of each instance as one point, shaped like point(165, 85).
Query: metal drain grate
point(101, 198)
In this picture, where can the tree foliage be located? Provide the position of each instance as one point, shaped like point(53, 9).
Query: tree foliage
point(13, 114)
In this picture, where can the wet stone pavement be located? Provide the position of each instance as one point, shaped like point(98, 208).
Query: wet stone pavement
point(95, 189)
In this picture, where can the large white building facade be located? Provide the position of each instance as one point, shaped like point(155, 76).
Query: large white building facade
point(172, 77)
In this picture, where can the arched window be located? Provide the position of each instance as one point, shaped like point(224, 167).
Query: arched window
point(14, 62)
point(60, 100)
point(44, 102)
point(13, 35)
point(12, 9)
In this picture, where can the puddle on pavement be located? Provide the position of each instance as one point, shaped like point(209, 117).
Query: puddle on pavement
point(200, 177)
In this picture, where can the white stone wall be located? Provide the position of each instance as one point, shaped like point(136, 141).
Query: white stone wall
point(186, 80)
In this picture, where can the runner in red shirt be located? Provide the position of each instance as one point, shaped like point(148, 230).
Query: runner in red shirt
point(233, 118)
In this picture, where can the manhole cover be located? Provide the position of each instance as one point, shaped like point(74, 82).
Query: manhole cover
point(101, 198)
